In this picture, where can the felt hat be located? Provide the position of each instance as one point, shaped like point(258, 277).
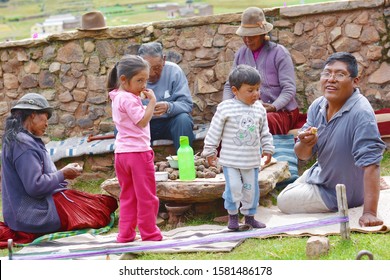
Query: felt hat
point(33, 101)
point(253, 23)
point(92, 21)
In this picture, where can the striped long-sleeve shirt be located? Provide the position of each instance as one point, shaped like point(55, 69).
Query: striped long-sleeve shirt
point(243, 130)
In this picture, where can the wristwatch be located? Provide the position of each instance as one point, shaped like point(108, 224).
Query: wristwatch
point(169, 110)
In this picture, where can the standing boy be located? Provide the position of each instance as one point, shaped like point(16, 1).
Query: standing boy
point(241, 124)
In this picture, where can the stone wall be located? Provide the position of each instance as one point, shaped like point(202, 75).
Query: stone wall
point(70, 69)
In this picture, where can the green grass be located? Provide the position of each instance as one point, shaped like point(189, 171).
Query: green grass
point(277, 248)
point(16, 20)
point(385, 164)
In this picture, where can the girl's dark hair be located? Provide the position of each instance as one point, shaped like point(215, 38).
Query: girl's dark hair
point(348, 59)
point(244, 74)
point(14, 124)
point(129, 66)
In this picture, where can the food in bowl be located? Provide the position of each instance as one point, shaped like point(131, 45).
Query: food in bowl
point(172, 160)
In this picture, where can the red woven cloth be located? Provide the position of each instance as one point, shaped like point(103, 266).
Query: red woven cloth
point(77, 210)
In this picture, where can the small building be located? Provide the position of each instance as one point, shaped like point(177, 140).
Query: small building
point(54, 24)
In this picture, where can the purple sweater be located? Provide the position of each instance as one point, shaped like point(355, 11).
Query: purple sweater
point(29, 179)
point(276, 69)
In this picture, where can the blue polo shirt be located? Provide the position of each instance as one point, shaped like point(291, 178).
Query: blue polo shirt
point(346, 144)
point(172, 87)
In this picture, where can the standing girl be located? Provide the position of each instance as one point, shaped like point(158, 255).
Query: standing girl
point(134, 158)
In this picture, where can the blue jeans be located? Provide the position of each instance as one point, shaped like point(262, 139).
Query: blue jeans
point(241, 188)
point(173, 128)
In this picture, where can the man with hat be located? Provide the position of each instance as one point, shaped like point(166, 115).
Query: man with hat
point(274, 63)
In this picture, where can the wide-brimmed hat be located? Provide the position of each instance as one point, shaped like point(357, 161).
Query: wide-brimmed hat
point(33, 101)
point(253, 23)
point(93, 21)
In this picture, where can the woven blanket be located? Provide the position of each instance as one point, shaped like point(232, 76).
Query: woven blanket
point(91, 242)
point(78, 146)
point(272, 217)
point(284, 151)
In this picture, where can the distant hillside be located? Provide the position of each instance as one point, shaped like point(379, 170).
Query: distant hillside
point(18, 16)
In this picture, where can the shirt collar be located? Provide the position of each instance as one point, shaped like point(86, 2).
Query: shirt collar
point(356, 95)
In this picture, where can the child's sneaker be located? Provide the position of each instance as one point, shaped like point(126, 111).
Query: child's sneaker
point(250, 220)
point(233, 222)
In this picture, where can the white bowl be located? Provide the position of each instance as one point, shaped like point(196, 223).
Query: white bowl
point(172, 160)
point(161, 176)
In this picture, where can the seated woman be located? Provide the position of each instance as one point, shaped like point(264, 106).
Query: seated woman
point(276, 68)
point(35, 197)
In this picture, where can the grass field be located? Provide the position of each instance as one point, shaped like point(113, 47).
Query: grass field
point(18, 16)
point(278, 248)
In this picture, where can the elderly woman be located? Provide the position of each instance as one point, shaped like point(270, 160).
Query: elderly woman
point(35, 196)
point(274, 63)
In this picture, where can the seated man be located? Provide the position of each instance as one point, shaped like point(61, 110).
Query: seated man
point(172, 116)
point(348, 146)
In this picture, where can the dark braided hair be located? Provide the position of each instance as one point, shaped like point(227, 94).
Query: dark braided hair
point(14, 125)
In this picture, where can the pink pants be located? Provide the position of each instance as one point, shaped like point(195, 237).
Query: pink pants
point(138, 203)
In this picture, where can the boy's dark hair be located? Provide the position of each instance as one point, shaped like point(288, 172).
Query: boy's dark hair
point(348, 59)
point(244, 74)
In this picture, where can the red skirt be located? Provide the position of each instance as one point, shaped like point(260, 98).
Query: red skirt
point(76, 209)
point(80, 210)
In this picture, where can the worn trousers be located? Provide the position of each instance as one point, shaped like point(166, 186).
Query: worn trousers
point(138, 202)
point(241, 187)
point(172, 128)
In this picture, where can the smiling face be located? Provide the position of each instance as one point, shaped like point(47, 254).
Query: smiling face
point(247, 94)
point(337, 90)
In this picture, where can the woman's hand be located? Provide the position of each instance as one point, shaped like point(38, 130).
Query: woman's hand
point(269, 107)
point(72, 170)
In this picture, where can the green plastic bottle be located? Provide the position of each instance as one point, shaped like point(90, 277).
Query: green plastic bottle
point(185, 158)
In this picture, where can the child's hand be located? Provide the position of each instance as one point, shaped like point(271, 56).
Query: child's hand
point(149, 94)
point(267, 156)
point(212, 160)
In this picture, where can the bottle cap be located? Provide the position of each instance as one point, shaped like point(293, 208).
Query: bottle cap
point(184, 140)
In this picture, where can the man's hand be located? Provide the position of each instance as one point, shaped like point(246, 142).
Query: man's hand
point(161, 108)
point(369, 220)
point(309, 136)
